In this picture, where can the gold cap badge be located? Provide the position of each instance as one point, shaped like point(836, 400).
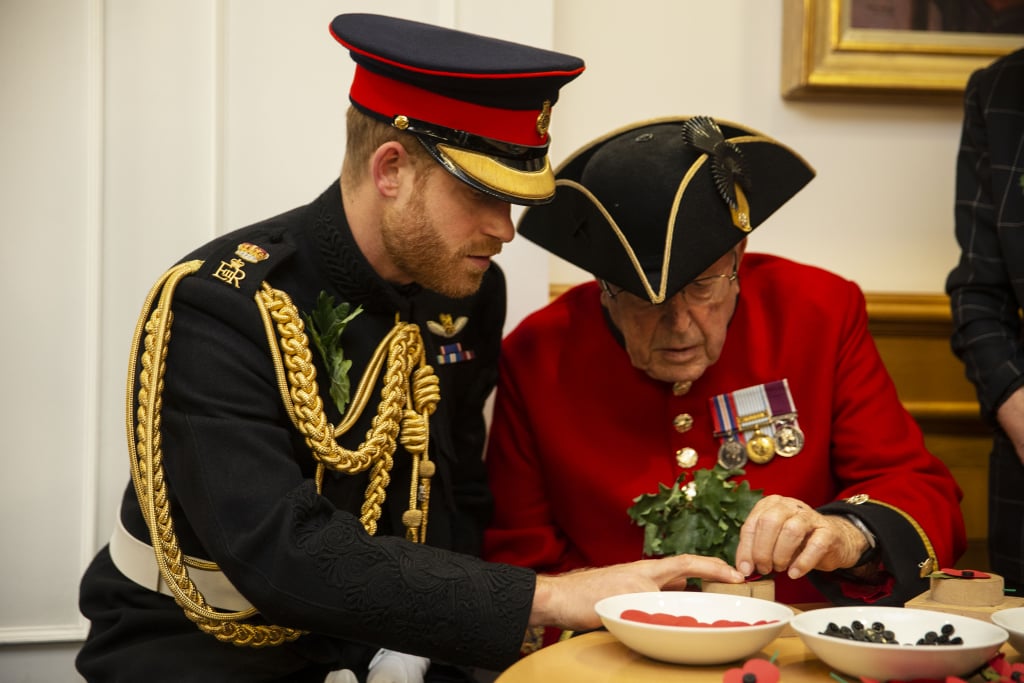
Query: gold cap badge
point(544, 118)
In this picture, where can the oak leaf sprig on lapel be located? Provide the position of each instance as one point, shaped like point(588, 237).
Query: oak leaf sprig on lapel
point(701, 517)
point(325, 325)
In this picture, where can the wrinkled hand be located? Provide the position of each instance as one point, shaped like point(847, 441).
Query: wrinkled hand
point(786, 534)
point(567, 600)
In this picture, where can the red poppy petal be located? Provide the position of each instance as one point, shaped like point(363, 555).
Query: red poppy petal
point(965, 573)
point(765, 670)
point(733, 676)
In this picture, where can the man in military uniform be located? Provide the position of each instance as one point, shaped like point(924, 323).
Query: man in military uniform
point(687, 352)
point(305, 405)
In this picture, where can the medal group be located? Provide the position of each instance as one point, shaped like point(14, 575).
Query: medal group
point(753, 425)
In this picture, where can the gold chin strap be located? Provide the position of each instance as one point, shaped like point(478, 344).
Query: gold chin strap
point(409, 397)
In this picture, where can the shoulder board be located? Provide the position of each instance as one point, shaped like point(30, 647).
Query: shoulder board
point(244, 265)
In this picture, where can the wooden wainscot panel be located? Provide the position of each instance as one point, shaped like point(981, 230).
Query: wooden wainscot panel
point(912, 332)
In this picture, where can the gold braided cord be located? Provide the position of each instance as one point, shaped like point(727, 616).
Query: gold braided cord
point(409, 396)
point(148, 476)
point(415, 439)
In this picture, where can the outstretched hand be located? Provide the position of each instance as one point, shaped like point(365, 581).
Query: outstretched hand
point(567, 600)
point(786, 534)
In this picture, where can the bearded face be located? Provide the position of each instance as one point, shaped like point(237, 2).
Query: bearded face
point(444, 236)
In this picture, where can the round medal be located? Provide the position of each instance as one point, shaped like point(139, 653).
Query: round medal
point(789, 439)
point(760, 447)
point(731, 455)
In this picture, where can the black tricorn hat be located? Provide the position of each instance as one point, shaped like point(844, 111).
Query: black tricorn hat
point(481, 106)
point(651, 206)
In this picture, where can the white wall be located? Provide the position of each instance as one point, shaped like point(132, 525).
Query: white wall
point(135, 129)
point(49, 268)
point(880, 210)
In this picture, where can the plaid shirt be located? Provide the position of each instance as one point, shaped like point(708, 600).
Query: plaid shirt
point(986, 288)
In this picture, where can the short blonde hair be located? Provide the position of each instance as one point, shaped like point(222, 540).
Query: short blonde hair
point(365, 134)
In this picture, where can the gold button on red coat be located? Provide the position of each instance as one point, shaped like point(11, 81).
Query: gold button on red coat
point(683, 422)
point(686, 457)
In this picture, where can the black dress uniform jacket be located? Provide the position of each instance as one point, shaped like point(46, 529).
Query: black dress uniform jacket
point(240, 478)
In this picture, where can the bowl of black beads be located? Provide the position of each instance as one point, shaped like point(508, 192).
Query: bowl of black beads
point(898, 643)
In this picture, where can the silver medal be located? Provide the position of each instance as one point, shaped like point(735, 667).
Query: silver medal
point(731, 454)
point(789, 438)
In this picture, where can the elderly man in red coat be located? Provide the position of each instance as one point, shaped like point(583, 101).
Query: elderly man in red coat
point(689, 351)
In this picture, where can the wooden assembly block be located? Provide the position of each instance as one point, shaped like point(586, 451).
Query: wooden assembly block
point(761, 588)
point(978, 597)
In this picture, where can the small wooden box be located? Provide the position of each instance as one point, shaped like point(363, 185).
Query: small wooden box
point(978, 598)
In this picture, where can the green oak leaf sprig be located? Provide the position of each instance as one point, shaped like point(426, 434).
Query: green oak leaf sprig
point(325, 325)
point(700, 517)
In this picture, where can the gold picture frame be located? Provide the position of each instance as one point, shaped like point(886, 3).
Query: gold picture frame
point(825, 57)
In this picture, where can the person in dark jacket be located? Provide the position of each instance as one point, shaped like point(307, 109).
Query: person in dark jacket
point(986, 289)
point(305, 405)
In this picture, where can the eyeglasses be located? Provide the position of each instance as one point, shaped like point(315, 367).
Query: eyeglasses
point(702, 292)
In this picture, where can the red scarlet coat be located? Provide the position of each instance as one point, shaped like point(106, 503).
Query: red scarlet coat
point(578, 432)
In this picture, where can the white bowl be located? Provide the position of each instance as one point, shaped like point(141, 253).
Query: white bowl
point(694, 644)
point(907, 660)
point(1013, 621)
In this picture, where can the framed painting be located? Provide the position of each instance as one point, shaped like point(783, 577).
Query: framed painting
point(909, 49)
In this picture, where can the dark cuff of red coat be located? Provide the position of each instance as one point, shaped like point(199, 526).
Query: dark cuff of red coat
point(901, 553)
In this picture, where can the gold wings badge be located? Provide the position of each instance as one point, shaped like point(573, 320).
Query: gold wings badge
point(445, 326)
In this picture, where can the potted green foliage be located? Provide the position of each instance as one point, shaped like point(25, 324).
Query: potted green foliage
point(702, 516)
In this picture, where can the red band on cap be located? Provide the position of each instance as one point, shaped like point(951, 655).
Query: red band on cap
point(390, 98)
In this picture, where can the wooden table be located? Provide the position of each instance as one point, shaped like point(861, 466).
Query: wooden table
point(598, 657)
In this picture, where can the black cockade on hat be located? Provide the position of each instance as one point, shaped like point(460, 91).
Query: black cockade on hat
point(726, 158)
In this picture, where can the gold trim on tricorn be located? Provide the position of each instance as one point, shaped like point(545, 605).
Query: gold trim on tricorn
point(659, 296)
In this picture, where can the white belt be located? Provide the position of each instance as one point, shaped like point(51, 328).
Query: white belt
point(137, 561)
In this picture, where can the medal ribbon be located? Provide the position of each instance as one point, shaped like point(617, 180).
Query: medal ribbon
point(752, 409)
point(739, 412)
point(723, 413)
point(780, 401)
